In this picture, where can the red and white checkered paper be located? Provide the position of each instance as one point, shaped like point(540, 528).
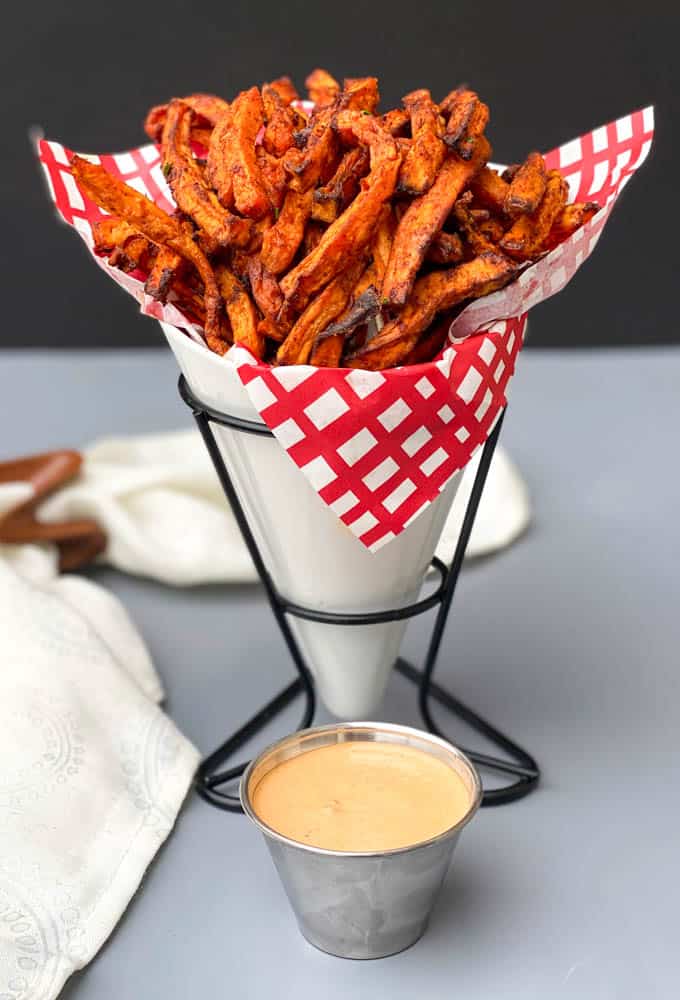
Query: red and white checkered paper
point(378, 447)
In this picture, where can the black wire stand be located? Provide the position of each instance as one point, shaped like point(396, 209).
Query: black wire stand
point(211, 779)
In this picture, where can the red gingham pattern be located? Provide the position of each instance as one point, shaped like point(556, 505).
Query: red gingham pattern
point(378, 447)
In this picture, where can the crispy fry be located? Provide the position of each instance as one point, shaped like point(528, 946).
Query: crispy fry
point(281, 241)
point(322, 88)
point(133, 254)
point(349, 234)
point(285, 88)
point(165, 268)
point(190, 187)
point(445, 248)
point(395, 121)
point(423, 160)
point(360, 94)
point(528, 234)
point(282, 122)
point(432, 294)
point(571, 218)
point(219, 167)
point(316, 317)
point(205, 107)
point(273, 175)
point(240, 310)
point(305, 166)
point(424, 217)
point(332, 198)
point(474, 131)
point(467, 226)
point(527, 187)
point(327, 351)
point(247, 112)
point(490, 190)
point(265, 288)
point(459, 105)
point(110, 232)
point(152, 222)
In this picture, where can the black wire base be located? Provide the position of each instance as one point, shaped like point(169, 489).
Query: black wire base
point(210, 779)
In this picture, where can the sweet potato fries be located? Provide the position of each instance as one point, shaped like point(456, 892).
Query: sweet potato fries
point(333, 236)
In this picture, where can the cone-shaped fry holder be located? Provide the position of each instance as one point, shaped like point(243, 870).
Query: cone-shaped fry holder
point(210, 780)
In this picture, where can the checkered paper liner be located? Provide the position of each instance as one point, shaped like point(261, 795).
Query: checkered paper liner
point(378, 447)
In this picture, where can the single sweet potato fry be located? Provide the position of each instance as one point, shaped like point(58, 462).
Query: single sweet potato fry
point(164, 269)
point(153, 223)
point(571, 218)
point(240, 310)
point(189, 186)
point(282, 122)
point(459, 105)
point(422, 161)
point(445, 248)
point(315, 159)
point(527, 187)
point(424, 217)
point(273, 175)
point(490, 190)
point(322, 88)
point(465, 146)
point(280, 242)
point(285, 88)
point(264, 287)
point(359, 94)
point(332, 198)
point(247, 113)
point(395, 121)
point(350, 233)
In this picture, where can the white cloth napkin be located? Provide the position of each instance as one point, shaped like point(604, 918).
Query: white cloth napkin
point(159, 500)
point(92, 773)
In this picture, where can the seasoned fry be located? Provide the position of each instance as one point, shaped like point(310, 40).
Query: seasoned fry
point(265, 288)
point(317, 316)
point(152, 222)
point(359, 94)
point(445, 248)
point(349, 234)
point(432, 294)
point(206, 108)
point(571, 218)
point(189, 186)
point(527, 187)
point(459, 105)
point(285, 88)
point(241, 311)
point(467, 226)
point(247, 113)
point(280, 243)
point(165, 268)
point(322, 88)
point(474, 131)
point(219, 167)
point(110, 232)
point(282, 122)
point(529, 232)
point(490, 190)
point(423, 160)
point(305, 166)
point(327, 351)
point(395, 121)
point(424, 217)
point(332, 198)
point(273, 175)
point(133, 254)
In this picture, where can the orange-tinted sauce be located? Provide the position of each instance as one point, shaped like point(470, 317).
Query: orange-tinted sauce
point(361, 796)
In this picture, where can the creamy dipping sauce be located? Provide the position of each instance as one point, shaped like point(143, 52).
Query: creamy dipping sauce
point(361, 796)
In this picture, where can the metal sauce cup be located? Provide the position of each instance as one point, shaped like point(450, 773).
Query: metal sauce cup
point(366, 904)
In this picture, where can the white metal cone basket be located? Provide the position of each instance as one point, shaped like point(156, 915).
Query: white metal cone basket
point(313, 558)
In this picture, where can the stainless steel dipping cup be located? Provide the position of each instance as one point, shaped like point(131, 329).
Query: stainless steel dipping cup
point(367, 904)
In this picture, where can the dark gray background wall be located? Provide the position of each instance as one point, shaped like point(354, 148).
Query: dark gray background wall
point(86, 71)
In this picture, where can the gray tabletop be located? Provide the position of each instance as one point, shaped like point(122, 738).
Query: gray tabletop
point(569, 641)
